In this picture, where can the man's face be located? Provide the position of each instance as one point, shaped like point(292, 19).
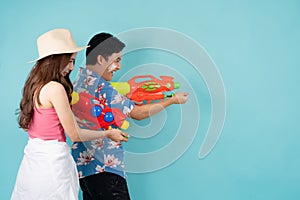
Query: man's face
point(111, 65)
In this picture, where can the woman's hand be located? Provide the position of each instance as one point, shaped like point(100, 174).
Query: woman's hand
point(116, 135)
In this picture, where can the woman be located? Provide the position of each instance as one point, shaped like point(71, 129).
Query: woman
point(47, 170)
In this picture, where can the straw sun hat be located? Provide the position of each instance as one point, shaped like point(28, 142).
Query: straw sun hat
point(57, 41)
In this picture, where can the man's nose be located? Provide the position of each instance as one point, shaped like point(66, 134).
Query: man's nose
point(118, 66)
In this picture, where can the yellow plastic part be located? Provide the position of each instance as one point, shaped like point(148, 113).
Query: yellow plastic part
point(125, 125)
point(75, 98)
point(122, 87)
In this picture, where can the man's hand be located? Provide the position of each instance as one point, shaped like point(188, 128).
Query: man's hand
point(180, 98)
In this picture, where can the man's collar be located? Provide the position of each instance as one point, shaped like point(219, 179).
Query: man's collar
point(89, 72)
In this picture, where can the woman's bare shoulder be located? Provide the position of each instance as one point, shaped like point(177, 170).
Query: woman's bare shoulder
point(53, 87)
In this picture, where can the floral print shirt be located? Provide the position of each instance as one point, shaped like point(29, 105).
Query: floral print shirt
point(99, 155)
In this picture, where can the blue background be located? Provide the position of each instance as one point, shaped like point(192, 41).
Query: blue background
point(255, 45)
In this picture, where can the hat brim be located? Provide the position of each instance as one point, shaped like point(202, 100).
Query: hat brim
point(54, 53)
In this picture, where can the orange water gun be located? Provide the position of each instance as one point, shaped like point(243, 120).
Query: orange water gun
point(147, 90)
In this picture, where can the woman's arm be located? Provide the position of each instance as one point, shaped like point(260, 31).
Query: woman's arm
point(56, 95)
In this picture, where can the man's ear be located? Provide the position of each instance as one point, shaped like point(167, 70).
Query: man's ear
point(100, 59)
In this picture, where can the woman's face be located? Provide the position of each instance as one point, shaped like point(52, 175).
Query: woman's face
point(70, 65)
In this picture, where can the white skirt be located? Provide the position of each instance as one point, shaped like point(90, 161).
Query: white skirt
point(47, 171)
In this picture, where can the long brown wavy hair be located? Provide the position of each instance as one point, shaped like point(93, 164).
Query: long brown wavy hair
point(45, 70)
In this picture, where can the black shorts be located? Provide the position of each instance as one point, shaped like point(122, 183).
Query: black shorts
point(104, 186)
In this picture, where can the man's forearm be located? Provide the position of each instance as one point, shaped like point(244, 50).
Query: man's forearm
point(147, 110)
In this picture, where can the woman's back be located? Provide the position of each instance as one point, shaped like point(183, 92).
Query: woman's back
point(46, 125)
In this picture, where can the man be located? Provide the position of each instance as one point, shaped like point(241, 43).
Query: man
point(100, 162)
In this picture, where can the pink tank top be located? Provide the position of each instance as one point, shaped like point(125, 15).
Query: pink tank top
point(46, 125)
